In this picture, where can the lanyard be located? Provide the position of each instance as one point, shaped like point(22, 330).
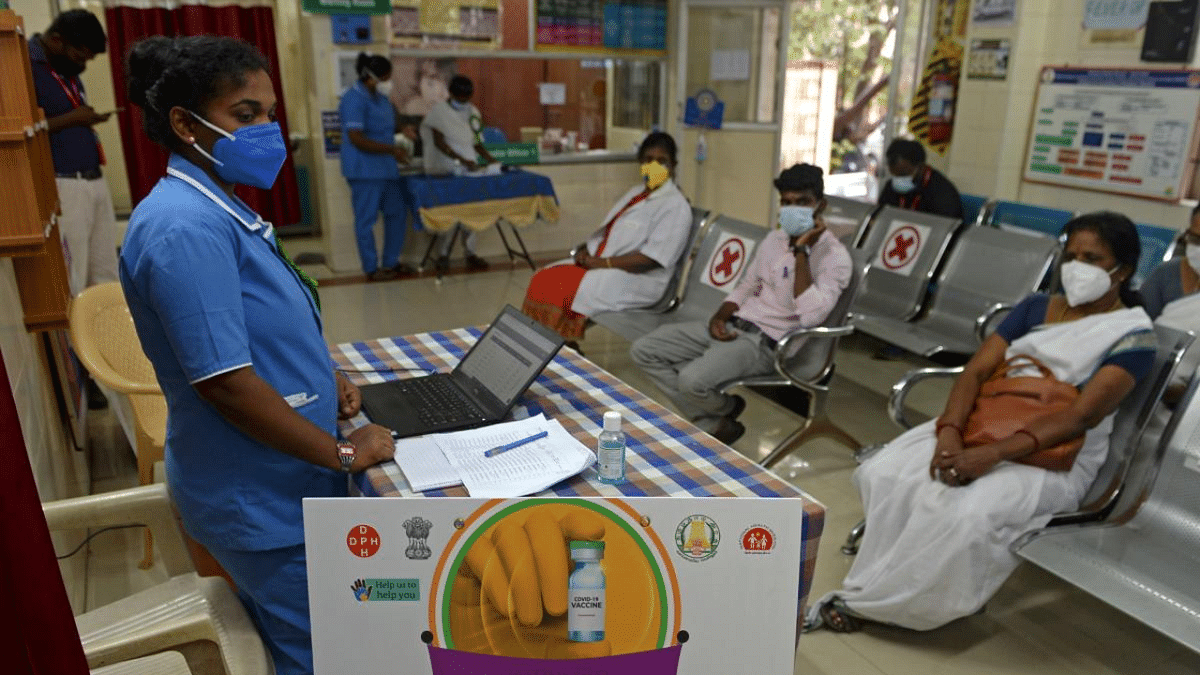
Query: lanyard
point(75, 95)
point(641, 196)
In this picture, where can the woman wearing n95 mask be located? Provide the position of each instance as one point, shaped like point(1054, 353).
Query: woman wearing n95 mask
point(941, 516)
point(1171, 299)
point(629, 260)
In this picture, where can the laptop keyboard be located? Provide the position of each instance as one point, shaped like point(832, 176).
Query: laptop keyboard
point(437, 401)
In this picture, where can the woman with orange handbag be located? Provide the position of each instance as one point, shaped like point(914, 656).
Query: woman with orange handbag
point(943, 502)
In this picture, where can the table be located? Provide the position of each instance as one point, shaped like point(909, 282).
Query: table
point(667, 457)
point(478, 202)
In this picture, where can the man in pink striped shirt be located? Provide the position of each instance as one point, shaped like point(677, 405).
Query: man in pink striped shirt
point(798, 275)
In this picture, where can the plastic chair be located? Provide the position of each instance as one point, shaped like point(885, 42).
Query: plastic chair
point(107, 344)
point(162, 663)
point(1158, 246)
point(188, 613)
point(976, 209)
point(1028, 217)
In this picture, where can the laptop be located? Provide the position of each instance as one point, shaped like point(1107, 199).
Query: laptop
point(481, 389)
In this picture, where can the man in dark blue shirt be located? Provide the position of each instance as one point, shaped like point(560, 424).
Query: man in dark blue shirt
point(87, 224)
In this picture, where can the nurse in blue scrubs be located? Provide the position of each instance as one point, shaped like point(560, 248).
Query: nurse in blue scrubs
point(369, 156)
point(233, 329)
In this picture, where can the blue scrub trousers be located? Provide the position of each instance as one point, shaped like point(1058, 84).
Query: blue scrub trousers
point(369, 196)
point(273, 585)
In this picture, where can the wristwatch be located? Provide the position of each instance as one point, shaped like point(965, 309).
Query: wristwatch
point(346, 454)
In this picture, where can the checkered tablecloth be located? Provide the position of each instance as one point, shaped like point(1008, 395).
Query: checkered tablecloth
point(667, 456)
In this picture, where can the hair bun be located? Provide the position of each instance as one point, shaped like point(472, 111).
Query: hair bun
point(148, 60)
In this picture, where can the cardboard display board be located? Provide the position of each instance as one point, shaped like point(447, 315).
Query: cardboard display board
point(1125, 131)
point(469, 586)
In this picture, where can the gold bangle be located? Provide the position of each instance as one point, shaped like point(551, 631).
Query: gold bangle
point(608, 262)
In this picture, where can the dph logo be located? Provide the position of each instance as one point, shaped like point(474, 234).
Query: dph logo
point(363, 541)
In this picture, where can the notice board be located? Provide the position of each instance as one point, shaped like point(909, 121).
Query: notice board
point(614, 26)
point(1125, 131)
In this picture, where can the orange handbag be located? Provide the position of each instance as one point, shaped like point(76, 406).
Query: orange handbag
point(1005, 405)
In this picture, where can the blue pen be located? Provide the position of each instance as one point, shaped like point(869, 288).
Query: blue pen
point(515, 444)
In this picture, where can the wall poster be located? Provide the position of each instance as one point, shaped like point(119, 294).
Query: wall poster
point(1125, 131)
point(445, 24)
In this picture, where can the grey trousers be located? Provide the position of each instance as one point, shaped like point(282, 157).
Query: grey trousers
point(687, 364)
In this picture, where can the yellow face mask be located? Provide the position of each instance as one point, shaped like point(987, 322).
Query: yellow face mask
point(655, 175)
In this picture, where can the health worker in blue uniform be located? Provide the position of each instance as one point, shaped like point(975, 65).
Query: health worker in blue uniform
point(233, 329)
point(369, 163)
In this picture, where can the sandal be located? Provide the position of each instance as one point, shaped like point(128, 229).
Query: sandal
point(837, 617)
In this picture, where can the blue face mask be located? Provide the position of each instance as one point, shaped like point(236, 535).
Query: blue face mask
point(458, 105)
point(903, 184)
point(796, 220)
point(251, 155)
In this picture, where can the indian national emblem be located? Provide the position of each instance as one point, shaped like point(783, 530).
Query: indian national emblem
point(417, 529)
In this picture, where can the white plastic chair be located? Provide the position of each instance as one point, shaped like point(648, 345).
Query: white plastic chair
point(183, 613)
point(162, 663)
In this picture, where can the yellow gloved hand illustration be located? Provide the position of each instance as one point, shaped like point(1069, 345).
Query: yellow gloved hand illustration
point(509, 596)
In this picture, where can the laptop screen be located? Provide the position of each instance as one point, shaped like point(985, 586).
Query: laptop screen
point(509, 355)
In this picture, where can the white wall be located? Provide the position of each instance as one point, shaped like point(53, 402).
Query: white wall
point(994, 117)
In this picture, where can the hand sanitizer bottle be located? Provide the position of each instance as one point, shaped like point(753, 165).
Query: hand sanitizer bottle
point(585, 593)
point(610, 453)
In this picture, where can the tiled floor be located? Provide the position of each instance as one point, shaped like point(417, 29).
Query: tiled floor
point(1035, 624)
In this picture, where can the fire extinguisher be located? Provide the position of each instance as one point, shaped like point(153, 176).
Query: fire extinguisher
point(941, 107)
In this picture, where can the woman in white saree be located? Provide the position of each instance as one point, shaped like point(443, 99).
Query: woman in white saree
point(940, 517)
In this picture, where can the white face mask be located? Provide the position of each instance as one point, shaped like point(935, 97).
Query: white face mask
point(1193, 256)
point(384, 89)
point(1084, 282)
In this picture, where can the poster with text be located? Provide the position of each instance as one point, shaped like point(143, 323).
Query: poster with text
point(1116, 130)
point(556, 585)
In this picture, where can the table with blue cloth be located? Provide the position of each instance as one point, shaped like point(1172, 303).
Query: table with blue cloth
point(667, 455)
point(514, 196)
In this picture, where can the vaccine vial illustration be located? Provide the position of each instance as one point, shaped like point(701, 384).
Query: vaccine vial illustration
point(610, 451)
point(585, 593)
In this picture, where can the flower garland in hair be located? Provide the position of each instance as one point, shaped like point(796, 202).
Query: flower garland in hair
point(309, 282)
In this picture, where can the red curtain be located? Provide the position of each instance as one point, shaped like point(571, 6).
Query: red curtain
point(145, 161)
point(41, 638)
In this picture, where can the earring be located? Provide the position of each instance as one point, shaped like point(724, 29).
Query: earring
point(191, 140)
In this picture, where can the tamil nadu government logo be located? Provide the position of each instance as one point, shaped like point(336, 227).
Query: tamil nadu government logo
point(697, 538)
point(758, 539)
point(417, 529)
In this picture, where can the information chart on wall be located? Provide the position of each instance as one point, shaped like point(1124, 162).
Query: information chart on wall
point(1115, 130)
point(602, 25)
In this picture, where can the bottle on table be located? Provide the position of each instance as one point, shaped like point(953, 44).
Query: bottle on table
point(586, 593)
point(610, 452)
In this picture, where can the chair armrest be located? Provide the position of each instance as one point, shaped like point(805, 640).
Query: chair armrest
point(900, 390)
point(148, 504)
point(984, 320)
point(781, 349)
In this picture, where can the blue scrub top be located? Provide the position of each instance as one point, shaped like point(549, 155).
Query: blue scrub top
point(376, 118)
point(209, 294)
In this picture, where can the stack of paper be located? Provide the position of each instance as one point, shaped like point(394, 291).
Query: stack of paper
point(442, 460)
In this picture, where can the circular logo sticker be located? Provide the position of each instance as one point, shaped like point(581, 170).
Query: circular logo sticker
point(903, 247)
point(697, 538)
point(363, 541)
point(727, 262)
point(758, 539)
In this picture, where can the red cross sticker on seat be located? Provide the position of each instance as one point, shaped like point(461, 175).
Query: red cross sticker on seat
point(727, 262)
point(901, 247)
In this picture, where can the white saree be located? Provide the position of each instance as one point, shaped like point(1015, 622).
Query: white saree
point(933, 553)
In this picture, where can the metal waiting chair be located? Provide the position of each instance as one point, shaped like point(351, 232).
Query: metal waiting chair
point(847, 218)
point(107, 345)
point(976, 209)
point(1142, 558)
point(1158, 246)
point(808, 366)
point(988, 271)
point(1008, 215)
point(187, 613)
point(724, 253)
point(162, 663)
point(903, 248)
point(1128, 442)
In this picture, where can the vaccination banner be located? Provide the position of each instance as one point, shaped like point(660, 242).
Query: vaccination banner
point(1115, 130)
point(554, 585)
